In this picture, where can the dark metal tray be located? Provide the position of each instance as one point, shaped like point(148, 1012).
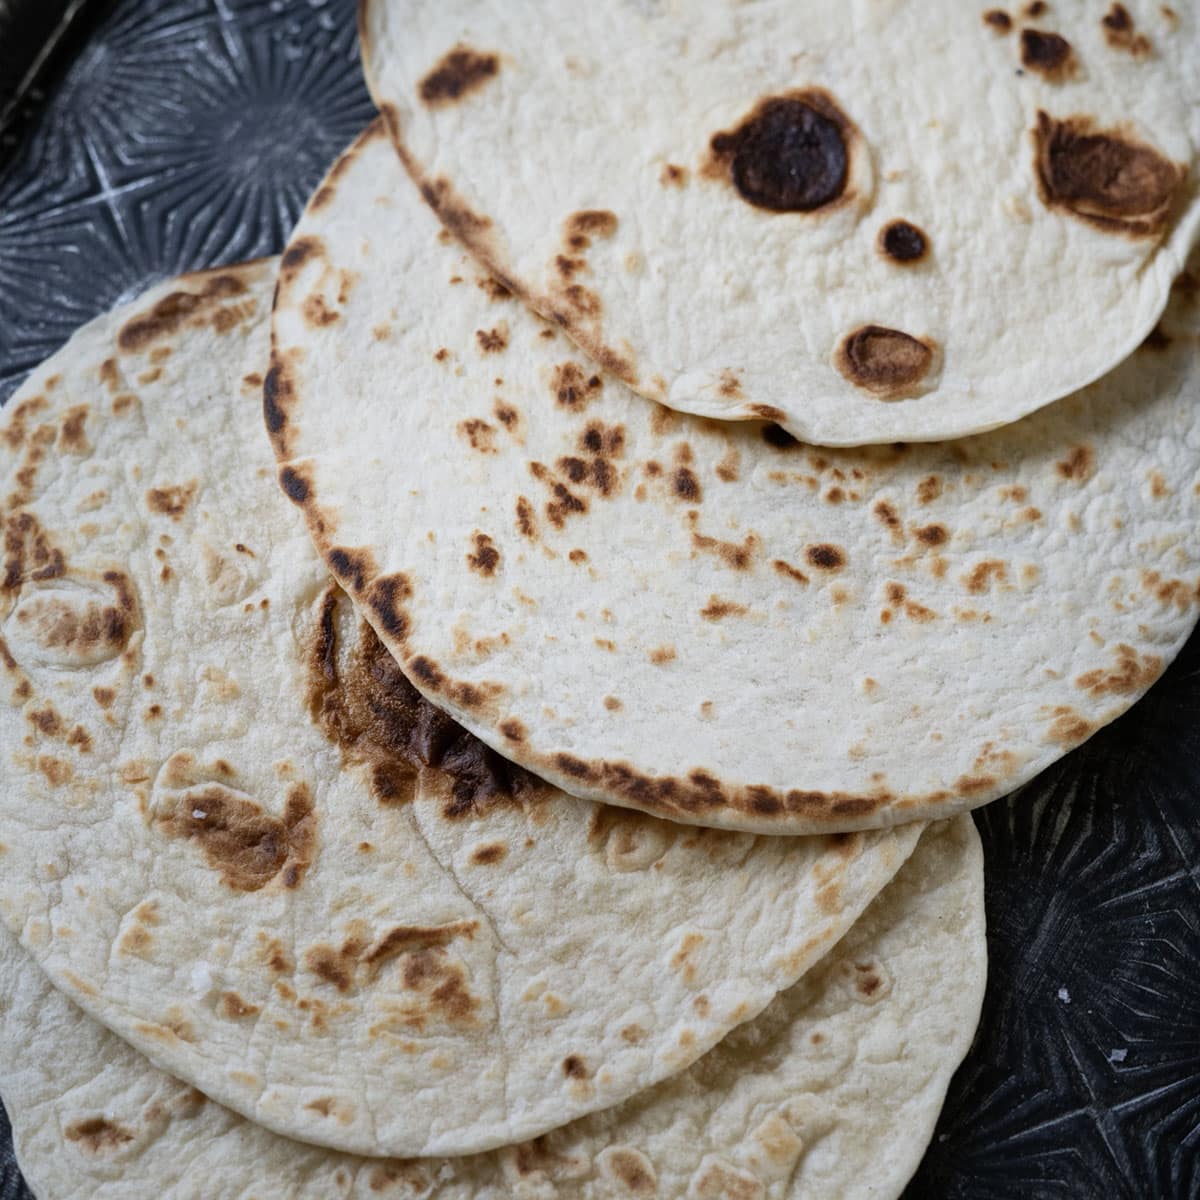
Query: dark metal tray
point(166, 135)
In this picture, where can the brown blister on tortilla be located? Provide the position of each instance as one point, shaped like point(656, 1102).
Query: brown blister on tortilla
point(575, 1067)
point(490, 854)
point(1048, 54)
point(72, 438)
point(580, 227)
point(170, 314)
point(298, 253)
point(1121, 33)
point(1068, 728)
point(235, 1008)
point(886, 362)
point(77, 627)
point(825, 557)
point(685, 486)
point(15, 428)
point(478, 434)
point(737, 556)
point(317, 313)
point(717, 609)
point(1079, 465)
point(171, 500)
point(1130, 675)
point(998, 20)
point(485, 558)
point(98, 1135)
point(573, 387)
point(239, 839)
point(1106, 177)
point(792, 153)
point(935, 534)
point(493, 341)
point(363, 702)
point(903, 243)
point(29, 554)
point(629, 1169)
point(458, 73)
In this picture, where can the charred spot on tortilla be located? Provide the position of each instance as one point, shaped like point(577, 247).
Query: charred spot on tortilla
point(1103, 176)
point(886, 362)
point(359, 697)
point(1120, 33)
point(460, 71)
point(998, 20)
point(826, 557)
point(903, 242)
point(1049, 54)
point(791, 154)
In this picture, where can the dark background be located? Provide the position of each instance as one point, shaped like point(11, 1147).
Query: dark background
point(161, 136)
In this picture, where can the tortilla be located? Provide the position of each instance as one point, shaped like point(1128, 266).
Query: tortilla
point(235, 835)
point(707, 620)
point(832, 1091)
point(870, 221)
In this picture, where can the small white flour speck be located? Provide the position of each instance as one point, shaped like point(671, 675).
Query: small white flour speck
point(1064, 995)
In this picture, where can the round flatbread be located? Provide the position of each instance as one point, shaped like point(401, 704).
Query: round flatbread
point(870, 221)
point(832, 1091)
point(235, 835)
point(707, 620)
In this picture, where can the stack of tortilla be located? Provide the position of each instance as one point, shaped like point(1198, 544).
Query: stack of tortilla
point(493, 695)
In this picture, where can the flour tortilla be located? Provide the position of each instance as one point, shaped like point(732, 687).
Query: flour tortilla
point(832, 1091)
point(319, 931)
point(514, 118)
point(687, 616)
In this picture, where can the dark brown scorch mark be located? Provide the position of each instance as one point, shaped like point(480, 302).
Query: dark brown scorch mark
point(574, 1067)
point(825, 557)
point(28, 553)
point(459, 72)
point(485, 558)
point(885, 362)
point(1049, 54)
point(1104, 177)
point(903, 242)
point(170, 313)
point(248, 846)
point(998, 20)
point(1120, 33)
point(573, 387)
point(363, 702)
point(790, 154)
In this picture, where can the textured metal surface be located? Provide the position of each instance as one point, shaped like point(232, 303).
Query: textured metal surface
point(187, 133)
